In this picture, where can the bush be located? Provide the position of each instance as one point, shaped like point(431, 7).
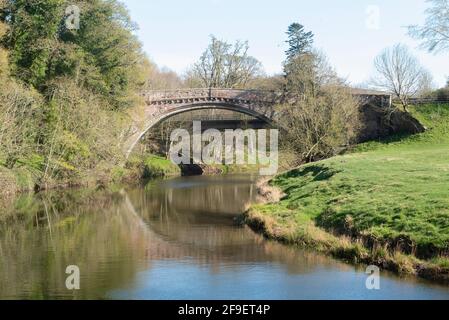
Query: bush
point(159, 167)
point(442, 94)
point(19, 109)
point(80, 131)
point(8, 184)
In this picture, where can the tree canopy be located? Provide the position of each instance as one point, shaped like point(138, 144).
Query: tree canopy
point(63, 90)
point(102, 56)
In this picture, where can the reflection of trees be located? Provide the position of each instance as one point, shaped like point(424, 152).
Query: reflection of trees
point(60, 229)
point(112, 236)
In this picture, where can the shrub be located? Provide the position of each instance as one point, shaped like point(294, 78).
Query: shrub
point(159, 167)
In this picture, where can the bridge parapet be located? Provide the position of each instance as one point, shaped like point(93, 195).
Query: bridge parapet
point(246, 97)
point(211, 95)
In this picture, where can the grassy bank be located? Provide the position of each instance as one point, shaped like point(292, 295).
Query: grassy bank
point(155, 166)
point(384, 203)
point(27, 178)
point(139, 167)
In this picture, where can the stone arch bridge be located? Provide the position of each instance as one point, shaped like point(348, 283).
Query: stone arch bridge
point(161, 105)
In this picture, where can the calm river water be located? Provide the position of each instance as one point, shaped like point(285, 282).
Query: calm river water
point(172, 239)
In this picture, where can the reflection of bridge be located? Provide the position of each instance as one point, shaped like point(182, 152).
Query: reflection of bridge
point(160, 105)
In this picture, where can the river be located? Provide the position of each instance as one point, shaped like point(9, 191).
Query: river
point(169, 239)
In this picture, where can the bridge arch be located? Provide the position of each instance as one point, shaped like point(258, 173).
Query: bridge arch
point(156, 119)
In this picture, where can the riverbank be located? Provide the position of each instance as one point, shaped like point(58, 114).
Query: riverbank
point(383, 203)
point(28, 179)
point(138, 168)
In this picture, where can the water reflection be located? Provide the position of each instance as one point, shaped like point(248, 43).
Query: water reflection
point(51, 231)
point(194, 219)
point(171, 239)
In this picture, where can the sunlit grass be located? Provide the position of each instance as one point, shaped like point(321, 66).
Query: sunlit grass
point(159, 167)
point(389, 191)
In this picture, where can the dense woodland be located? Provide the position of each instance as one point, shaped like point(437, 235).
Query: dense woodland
point(65, 94)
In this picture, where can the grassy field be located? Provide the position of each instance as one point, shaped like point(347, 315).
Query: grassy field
point(383, 202)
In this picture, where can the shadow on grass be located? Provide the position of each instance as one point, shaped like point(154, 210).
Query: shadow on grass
point(374, 144)
point(318, 172)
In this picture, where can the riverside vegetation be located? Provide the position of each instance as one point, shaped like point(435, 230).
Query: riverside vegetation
point(67, 96)
point(64, 92)
point(383, 203)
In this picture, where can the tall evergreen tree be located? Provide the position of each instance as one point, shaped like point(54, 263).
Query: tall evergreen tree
point(300, 64)
point(299, 41)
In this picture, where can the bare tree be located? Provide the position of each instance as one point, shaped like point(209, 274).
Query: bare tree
point(224, 65)
point(427, 84)
point(435, 32)
point(162, 79)
point(399, 72)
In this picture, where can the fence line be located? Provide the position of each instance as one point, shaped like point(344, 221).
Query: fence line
point(419, 101)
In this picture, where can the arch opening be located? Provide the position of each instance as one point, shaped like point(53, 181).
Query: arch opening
point(157, 119)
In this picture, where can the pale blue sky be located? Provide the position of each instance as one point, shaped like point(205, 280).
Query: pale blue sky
point(176, 32)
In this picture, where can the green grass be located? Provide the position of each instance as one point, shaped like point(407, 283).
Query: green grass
point(393, 193)
point(155, 166)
